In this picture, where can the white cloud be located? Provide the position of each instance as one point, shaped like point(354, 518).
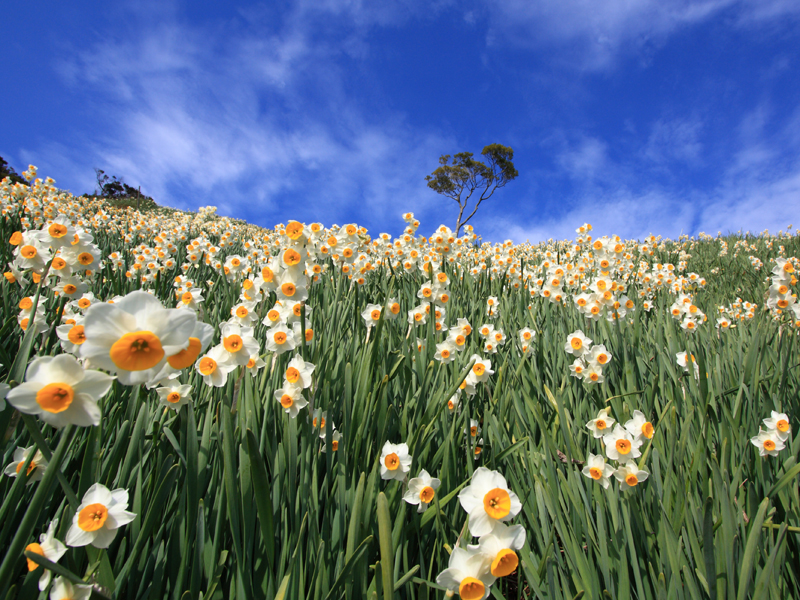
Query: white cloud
point(246, 121)
point(591, 35)
point(675, 140)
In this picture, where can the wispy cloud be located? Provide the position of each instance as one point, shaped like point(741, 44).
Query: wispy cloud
point(757, 185)
point(593, 35)
point(258, 122)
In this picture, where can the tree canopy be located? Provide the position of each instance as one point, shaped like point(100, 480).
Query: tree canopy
point(463, 176)
point(7, 170)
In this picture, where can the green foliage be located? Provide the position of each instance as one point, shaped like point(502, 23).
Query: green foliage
point(463, 176)
point(236, 500)
point(7, 170)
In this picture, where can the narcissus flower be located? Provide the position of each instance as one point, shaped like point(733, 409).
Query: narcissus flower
point(629, 475)
point(421, 490)
point(60, 392)
point(280, 339)
point(174, 396)
point(134, 336)
point(371, 314)
point(597, 469)
point(621, 445)
point(36, 467)
point(639, 426)
point(238, 342)
point(481, 369)
point(600, 425)
point(395, 461)
point(577, 343)
point(98, 517)
point(63, 589)
point(467, 575)
point(488, 501)
point(768, 442)
point(298, 372)
point(498, 549)
point(214, 366)
point(780, 423)
point(291, 399)
point(50, 548)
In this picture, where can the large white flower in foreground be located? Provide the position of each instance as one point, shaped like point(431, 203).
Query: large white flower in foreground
point(99, 516)
point(60, 392)
point(134, 336)
point(488, 501)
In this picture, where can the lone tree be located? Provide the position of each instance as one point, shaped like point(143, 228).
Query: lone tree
point(464, 176)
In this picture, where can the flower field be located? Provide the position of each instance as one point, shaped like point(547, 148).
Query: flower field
point(195, 407)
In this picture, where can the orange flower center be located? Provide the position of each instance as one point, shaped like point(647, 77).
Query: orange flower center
point(426, 494)
point(85, 258)
point(478, 369)
point(286, 401)
point(55, 397)
point(647, 430)
point(392, 461)
point(769, 445)
point(504, 563)
point(623, 446)
point(596, 473)
point(31, 467)
point(93, 517)
point(36, 549)
point(28, 252)
point(137, 351)
point(57, 230)
point(76, 335)
point(233, 343)
point(242, 312)
point(207, 365)
point(782, 425)
point(631, 479)
point(187, 356)
point(471, 589)
point(292, 375)
point(279, 337)
point(497, 503)
point(375, 315)
point(576, 343)
point(173, 397)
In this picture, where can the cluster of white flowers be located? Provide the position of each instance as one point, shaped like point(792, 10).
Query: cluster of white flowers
point(589, 360)
point(622, 444)
point(490, 504)
point(773, 440)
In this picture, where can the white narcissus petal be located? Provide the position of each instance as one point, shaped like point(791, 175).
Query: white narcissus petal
point(78, 537)
point(105, 324)
point(139, 304)
point(94, 383)
point(104, 537)
point(96, 494)
point(61, 368)
point(23, 397)
point(83, 411)
point(479, 522)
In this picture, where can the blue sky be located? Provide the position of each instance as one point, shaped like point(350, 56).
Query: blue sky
point(639, 117)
